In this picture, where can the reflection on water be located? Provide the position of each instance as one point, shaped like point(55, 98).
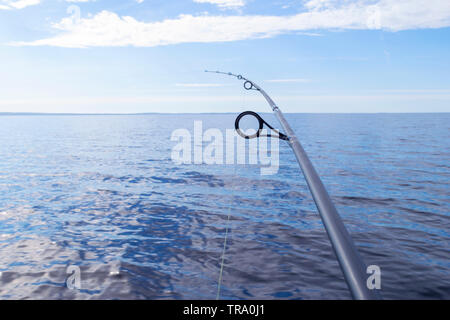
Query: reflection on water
point(101, 193)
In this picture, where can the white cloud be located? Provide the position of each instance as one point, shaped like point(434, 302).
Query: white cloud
point(108, 29)
point(18, 4)
point(224, 3)
point(298, 80)
point(199, 85)
point(319, 4)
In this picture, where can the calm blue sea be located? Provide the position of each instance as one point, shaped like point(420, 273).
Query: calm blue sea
point(101, 193)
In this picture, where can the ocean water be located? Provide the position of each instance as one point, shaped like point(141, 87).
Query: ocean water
point(101, 193)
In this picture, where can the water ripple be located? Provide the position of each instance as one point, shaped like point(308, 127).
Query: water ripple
point(101, 193)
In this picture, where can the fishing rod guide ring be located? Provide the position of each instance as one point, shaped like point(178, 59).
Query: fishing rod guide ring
point(239, 118)
point(248, 85)
point(261, 123)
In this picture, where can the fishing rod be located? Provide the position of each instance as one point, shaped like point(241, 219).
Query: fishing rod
point(352, 265)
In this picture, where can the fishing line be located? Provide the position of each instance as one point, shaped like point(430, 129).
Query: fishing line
point(227, 226)
point(352, 265)
point(219, 283)
point(261, 122)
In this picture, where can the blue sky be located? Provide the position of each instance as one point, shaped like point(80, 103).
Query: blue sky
point(149, 55)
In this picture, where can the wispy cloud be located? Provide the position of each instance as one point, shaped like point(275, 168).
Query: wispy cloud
point(109, 29)
point(199, 85)
point(298, 80)
point(224, 3)
point(18, 4)
point(415, 91)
